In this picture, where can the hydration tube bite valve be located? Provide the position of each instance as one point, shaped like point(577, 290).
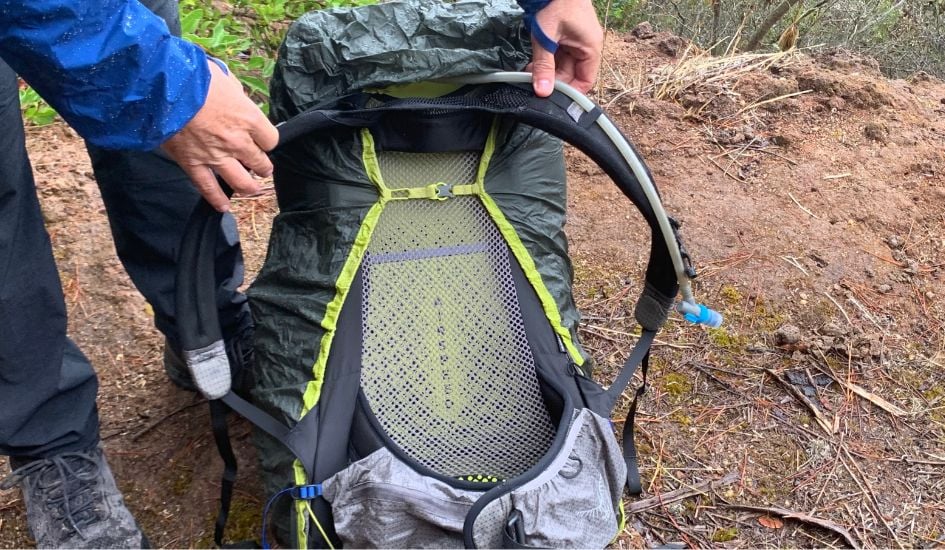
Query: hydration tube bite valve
point(699, 314)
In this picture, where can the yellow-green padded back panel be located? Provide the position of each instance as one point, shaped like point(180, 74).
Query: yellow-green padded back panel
point(446, 366)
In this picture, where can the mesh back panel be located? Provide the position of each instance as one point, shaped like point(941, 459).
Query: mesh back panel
point(446, 366)
point(401, 169)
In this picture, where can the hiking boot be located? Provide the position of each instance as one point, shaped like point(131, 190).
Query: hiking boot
point(72, 502)
point(239, 350)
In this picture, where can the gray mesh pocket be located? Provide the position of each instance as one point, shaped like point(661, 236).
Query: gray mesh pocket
point(380, 502)
point(574, 502)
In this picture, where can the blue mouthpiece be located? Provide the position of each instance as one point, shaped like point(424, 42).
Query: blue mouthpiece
point(699, 314)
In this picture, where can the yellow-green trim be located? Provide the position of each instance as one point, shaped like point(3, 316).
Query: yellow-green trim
point(301, 518)
point(425, 89)
point(622, 521)
point(348, 271)
point(369, 159)
point(521, 253)
point(330, 320)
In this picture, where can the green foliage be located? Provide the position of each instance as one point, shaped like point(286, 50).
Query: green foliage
point(620, 15)
point(35, 111)
point(245, 34)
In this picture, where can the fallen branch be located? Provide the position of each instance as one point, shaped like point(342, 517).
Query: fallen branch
point(862, 392)
point(724, 171)
point(164, 418)
point(790, 514)
point(684, 493)
point(819, 416)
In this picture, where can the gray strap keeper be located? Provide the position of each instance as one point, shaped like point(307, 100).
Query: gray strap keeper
point(210, 369)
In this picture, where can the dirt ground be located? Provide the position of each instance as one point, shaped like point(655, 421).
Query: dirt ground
point(814, 417)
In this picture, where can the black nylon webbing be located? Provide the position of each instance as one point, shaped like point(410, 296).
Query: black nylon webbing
point(218, 413)
point(255, 415)
point(634, 485)
point(639, 358)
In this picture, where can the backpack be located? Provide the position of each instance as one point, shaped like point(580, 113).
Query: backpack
point(418, 379)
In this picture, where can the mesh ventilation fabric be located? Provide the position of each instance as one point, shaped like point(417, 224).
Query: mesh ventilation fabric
point(402, 169)
point(446, 366)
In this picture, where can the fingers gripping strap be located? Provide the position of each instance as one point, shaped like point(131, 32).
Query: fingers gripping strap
point(532, 7)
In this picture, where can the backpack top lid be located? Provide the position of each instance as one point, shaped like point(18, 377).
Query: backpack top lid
point(328, 54)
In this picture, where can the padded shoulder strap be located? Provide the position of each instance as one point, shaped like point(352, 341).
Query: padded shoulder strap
point(559, 116)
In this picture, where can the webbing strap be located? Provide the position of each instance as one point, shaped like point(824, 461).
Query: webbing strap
point(221, 434)
point(639, 357)
point(634, 485)
point(219, 409)
point(435, 191)
point(260, 419)
point(629, 368)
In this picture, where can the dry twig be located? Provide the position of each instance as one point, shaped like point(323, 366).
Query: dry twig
point(790, 514)
point(862, 392)
point(801, 206)
point(683, 493)
point(819, 416)
point(159, 421)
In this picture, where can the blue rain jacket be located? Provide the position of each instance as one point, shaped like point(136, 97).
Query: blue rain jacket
point(111, 68)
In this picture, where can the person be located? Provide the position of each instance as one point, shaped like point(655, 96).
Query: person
point(116, 71)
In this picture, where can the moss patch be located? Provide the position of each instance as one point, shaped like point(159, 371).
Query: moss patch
point(725, 535)
point(243, 524)
point(676, 384)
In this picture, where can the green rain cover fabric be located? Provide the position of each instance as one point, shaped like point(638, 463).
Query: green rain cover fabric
point(324, 193)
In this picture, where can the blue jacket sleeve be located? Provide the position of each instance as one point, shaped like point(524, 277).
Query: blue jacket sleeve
point(110, 67)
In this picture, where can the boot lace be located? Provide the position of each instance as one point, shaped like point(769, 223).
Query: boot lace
point(66, 484)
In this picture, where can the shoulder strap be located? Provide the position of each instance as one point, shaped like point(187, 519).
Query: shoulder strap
point(559, 116)
point(204, 351)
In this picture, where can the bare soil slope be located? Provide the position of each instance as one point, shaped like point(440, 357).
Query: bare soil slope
point(817, 222)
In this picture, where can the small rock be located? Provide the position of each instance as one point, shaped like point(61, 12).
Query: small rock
point(876, 132)
point(876, 347)
point(643, 31)
point(797, 357)
point(786, 335)
point(671, 46)
point(912, 267)
point(832, 330)
point(895, 242)
point(836, 103)
point(930, 295)
point(870, 273)
point(781, 140)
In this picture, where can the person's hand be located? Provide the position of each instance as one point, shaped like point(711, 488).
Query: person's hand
point(228, 136)
point(574, 26)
